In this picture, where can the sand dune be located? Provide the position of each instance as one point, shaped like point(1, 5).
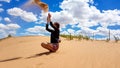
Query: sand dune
point(26, 52)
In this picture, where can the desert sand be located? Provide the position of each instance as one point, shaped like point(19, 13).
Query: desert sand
point(26, 52)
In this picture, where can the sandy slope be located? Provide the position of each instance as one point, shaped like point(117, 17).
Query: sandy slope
point(26, 52)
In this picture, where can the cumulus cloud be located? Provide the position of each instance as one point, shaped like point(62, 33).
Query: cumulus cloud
point(5, 30)
point(13, 26)
point(8, 1)
point(1, 9)
point(0, 5)
point(87, 31)
point(64, 32)
point(26, 16)
point(2, 26)
point(71, 31)
point(81, 12)
point(7, 19)
point(105, 31)
point(36, 30)
point(110, 17)
point(62, 17)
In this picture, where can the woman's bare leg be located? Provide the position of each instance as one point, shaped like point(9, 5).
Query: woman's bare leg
point(48, 46)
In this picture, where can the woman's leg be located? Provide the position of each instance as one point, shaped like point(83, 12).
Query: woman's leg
point(48, 46)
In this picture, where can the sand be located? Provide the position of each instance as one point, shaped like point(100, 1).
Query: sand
point(26, 52)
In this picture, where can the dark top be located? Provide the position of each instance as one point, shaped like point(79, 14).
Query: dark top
point(54, 33)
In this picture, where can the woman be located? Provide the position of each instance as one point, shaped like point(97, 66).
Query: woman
point(54, 41)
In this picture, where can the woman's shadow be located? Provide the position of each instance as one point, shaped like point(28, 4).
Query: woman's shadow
point(34, 56)
point(40, 54)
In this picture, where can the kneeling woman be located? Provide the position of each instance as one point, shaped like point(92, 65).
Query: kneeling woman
point(54, 45)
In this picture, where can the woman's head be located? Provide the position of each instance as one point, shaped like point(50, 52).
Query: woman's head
point(57, 25)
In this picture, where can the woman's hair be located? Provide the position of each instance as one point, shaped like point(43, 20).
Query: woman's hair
point(57, 24)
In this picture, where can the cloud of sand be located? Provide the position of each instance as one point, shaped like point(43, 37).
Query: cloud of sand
point(43, 6)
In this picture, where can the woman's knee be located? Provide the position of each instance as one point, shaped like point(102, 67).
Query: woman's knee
point(42, 44)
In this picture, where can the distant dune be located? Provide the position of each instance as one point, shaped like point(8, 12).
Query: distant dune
point(26, 52)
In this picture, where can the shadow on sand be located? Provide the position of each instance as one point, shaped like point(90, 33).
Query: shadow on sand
point(40, 54)
point(34, 56)
point(11, 59)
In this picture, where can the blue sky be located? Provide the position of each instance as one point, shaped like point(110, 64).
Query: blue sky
point(86, 17)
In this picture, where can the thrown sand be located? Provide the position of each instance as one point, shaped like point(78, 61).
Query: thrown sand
point(26, 52)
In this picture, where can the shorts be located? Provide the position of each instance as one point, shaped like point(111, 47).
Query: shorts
point(55, 46)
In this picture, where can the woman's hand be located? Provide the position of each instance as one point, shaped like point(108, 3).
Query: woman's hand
point(49, 15)
point(48, 18)
point(59, 41)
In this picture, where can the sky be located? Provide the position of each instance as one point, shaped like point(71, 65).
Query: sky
point(87, 17)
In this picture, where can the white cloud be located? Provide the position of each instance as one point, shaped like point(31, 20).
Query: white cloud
point(115, 32)
point(103, 31)
point(8, 1)
point(3, 33)
point(81, 12)
point(36, 30)
point(71, 31)
point(13, 26)
point(0, 5)
point(3, 27)
point(7, 19)
point(79, 9)
point(1, 9)
point(86, 31)
point(26, 16)
point(62, 17)
point(110, 17)
point(64, 32)
point(5, 30)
